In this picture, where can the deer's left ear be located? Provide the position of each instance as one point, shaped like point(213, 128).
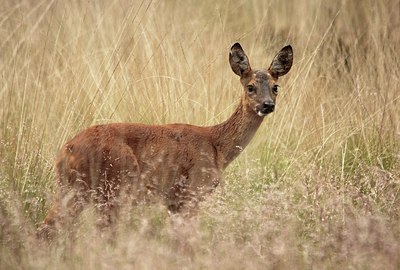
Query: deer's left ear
point(238, 60)
point(282, 62)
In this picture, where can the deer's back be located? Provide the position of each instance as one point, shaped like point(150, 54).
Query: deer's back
point(156, 158)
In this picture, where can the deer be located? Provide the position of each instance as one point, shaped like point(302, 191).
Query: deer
point(175, 164)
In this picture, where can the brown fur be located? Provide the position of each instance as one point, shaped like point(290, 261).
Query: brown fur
point(177, 164)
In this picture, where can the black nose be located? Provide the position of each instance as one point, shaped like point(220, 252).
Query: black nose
point(268, 106)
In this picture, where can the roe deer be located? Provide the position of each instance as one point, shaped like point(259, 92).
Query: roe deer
point(177, 164)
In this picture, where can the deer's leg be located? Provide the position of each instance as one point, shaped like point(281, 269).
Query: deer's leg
point(120, 183)
point(67, 205)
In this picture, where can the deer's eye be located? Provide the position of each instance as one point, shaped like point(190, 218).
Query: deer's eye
point(250, 89)
point(275, 89)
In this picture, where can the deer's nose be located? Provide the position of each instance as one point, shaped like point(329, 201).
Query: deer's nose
point(268, 106)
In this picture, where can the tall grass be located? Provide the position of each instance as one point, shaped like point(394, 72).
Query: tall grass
point(319, 185)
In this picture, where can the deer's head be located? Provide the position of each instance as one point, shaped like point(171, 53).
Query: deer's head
point(260, 86)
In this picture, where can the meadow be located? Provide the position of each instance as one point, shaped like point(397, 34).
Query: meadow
point(317, 188)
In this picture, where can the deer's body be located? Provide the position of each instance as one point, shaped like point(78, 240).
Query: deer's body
point(177, 163)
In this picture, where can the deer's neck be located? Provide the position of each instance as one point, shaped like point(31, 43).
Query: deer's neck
point(233, 135)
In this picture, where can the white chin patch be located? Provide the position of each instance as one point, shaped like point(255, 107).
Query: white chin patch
point(261, 114)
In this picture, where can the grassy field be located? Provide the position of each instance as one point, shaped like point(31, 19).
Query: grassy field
point(317, 188)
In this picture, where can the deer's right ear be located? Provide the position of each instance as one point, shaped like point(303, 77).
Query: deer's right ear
point(282, 62)
point(238, 60)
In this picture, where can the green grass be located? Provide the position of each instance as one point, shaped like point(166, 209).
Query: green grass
point(319, 185)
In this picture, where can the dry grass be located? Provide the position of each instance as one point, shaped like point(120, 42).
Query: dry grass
point(319, 186)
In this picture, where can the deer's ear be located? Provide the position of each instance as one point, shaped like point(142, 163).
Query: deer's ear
point(282, 62)
point(238, 60)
